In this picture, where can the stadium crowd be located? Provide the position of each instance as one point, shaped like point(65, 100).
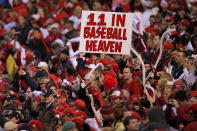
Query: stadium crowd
point(46, 84)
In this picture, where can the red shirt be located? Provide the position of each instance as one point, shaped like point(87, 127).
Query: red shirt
point(133, 88)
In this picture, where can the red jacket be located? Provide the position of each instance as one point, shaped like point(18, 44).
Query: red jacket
point(183, 115)
point(133, 88)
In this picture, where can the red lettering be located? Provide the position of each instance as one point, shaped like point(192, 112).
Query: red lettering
point(100, 46)
point(98, 32)
point(120, 20)
point(118, 47)
point(94, 45)
point(113, 19)
point(115, 34)
point(124, 34)
point(109, 33)
point(86, 32)
point(102, 20)
point(111, 43)
point(119, 34)
point(103, 33)
point(88, 45)
point(106, 46)
point(93, 34)
point(91, 19)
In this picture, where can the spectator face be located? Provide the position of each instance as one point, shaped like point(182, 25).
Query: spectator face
point(156, 41)
point(94, 57)
point(78, 11)
point(36, 34)
point(127, 74)
point(150, 43)
point(180, 57)
point(97, 6)
point(85, 6)
point(16, 2)
point(49, 99)
point(69, 26)
point(193, 100)
point(54, 30)
point(133, 125)
point(116, 101)
point(21, 20)
point(152, 21)
point(54, 89)
point(167, 92)
point(147, 67)
point(41, 12)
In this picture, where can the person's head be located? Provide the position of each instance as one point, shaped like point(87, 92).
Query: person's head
point(54, 28)
point(180, 12)
point(70, 69)
point(152, 20)
point(190, 62)
point(40, 76)
point(134, 101)
point(69, 126)
point(180, 58)
point(150, 43)
point(35, 125)
point(21, 20)
point(97, 6)
point(147, 66)
point(42, 66)
point(36, 33)
point(41, 12)
point(14, 117)
point(131, 123)
point(127, 73)
point(179, 85)
point(49, 96)
point(17, 2)
point(69, 25)
point(52, 87)
point(167, 91)
point(107, 112)
point(156, 41)
point(182, 97)
point(193, 97)
point(10, 126)
point(116, 97)
point(95, 56)
point(64, 54)
point(118, 111)
point(77, 11)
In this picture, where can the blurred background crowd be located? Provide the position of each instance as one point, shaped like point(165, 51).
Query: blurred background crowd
point(46, 85)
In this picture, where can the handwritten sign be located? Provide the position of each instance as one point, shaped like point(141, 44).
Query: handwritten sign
point(106, 32)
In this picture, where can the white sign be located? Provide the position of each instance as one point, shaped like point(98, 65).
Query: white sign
point(106, 32)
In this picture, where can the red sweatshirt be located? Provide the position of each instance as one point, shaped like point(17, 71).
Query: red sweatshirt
point(133, 88)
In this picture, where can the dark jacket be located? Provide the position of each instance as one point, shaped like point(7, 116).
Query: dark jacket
point(37, 45)
point(23, 33)
point(45, 114)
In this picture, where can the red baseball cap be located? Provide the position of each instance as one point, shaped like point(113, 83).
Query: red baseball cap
point(36, 124)
point(135, 114)
point(184, 22)
point(79, 103)
point(169, 18)
point(193, 93)
point(134, 99)
point(117, 94)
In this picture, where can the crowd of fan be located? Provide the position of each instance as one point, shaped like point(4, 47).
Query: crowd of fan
point(45, 83)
